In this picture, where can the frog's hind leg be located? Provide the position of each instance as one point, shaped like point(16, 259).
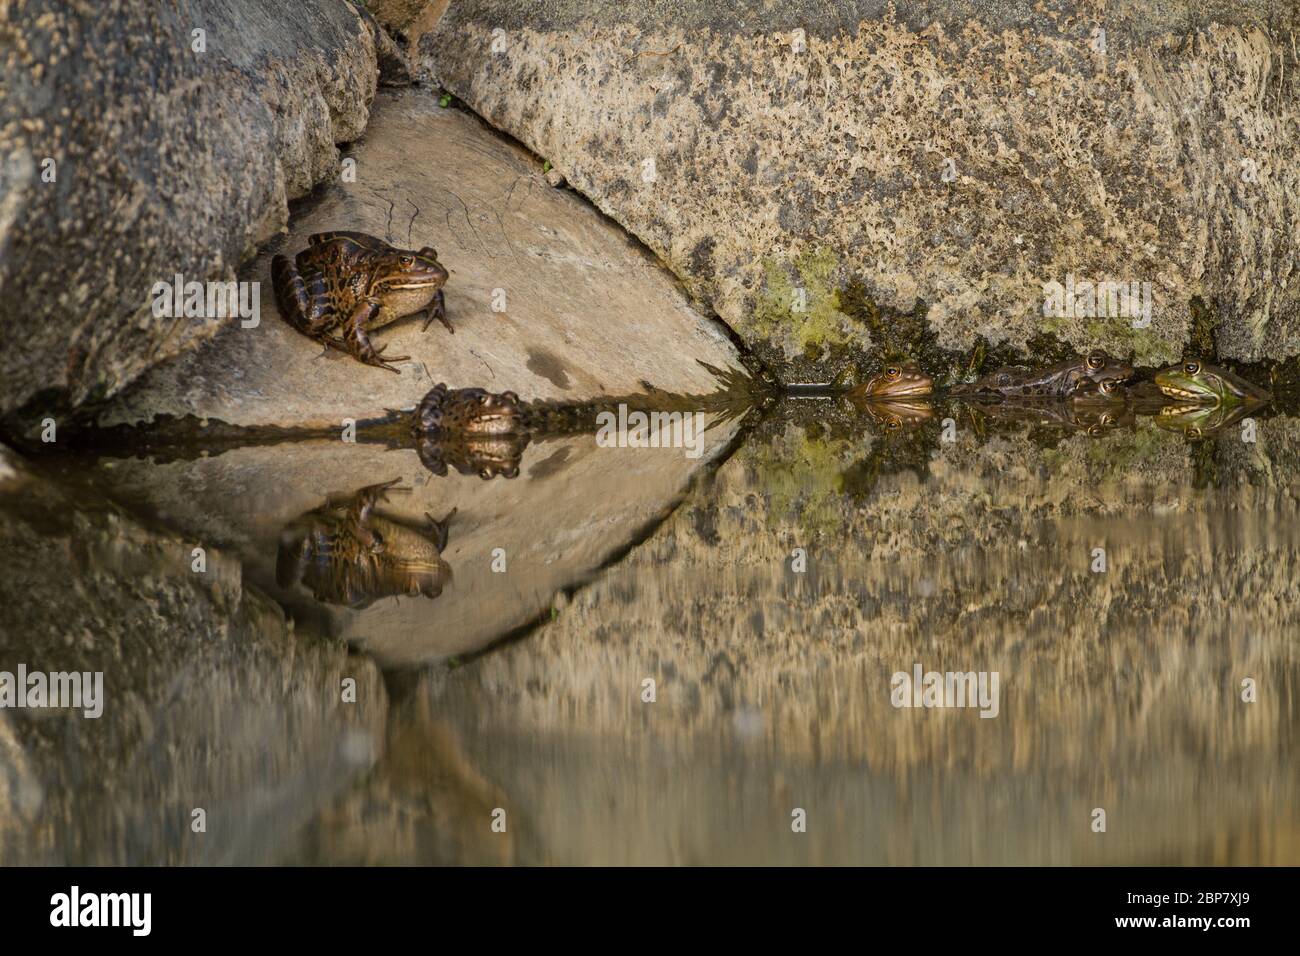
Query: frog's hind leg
point(358, 344)
point(310, 316)
point(438, 310)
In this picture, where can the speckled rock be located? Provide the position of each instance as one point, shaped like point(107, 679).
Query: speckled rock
point(165, 159)
point(210, 699)
point(804, 166)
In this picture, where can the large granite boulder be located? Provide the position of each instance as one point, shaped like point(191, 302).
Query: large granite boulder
point(839, 177)
point(133, 148)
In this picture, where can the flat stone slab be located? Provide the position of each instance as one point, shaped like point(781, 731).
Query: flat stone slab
point(587, 312)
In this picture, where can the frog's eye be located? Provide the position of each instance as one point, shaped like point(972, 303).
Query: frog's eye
point(893, 424)
point(1191, 368)
point(1096, 360)
point(407, 261)
point(893, 371)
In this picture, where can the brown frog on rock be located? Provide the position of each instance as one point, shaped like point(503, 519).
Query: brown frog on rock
point(346, 553)
point(346, 284)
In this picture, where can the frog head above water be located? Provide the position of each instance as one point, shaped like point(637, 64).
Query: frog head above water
point(1194, 381)
point(468, 412)
point(903, 380)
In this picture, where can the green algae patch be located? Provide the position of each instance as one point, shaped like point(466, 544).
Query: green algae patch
point(806, 305)
point(802, 471)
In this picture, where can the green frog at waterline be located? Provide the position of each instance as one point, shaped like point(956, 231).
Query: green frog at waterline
point(1194, 382)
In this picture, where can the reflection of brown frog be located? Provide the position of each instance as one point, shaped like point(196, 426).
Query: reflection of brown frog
point(1055, 381)
point(346, 553)
point(472, 430)
point(485, 457)
point(895, 415)
point(1093, 412)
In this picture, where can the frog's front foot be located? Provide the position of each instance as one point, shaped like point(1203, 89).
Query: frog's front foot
point(438, 310)
point(359, 345)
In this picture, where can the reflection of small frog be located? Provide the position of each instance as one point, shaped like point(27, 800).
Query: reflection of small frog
point(345, 284)
point(346, 553)
point(1064, 378)
point(486, 456)
point(1088, 415)
point(895, 415)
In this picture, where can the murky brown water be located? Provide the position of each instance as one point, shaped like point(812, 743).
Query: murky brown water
point(769, 590)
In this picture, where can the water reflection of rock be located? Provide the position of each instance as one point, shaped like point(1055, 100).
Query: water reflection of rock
point(572, 507)
point(426, 801)
point(212, 700)
point(1121, 689)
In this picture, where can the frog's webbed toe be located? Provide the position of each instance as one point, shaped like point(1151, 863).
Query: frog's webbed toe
point(438, 310)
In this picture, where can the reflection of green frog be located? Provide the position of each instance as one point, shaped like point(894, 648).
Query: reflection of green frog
point(1058, 380)
point(1194, 381)
point(1202, 421)
point(346, 553)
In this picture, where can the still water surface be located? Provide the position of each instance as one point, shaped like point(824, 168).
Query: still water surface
point(632, 656)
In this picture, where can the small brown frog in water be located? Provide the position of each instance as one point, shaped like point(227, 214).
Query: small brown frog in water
point(346, 284)
point(346, 553)
point(472, 430)
point(467, 411)
point(904, 380)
